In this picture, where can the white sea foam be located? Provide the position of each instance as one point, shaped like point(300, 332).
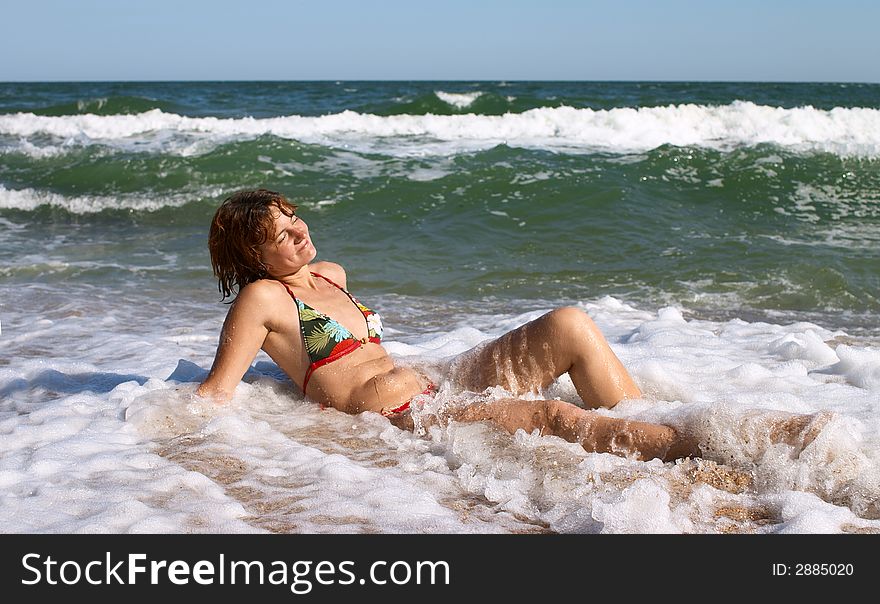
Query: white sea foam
point(842, 131)
point(31, 199)
point(862, 236)
point(96, 410)
point(460, 100)
point(860, 367)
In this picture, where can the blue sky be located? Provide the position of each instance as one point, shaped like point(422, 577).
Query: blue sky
point(767, 40)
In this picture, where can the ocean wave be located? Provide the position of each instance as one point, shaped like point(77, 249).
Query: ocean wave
point(459, 100)
point(30, 199)
point(89, 104)
point(847, 132)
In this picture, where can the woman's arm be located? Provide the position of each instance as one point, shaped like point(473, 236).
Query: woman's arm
point(243, 334)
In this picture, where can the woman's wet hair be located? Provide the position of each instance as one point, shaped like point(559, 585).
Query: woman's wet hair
point(242, 223)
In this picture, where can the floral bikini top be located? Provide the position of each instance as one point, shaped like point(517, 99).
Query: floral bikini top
point(326, 339)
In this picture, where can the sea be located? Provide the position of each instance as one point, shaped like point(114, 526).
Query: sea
point(724, 236)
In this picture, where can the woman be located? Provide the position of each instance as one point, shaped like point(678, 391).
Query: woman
point(302, 316)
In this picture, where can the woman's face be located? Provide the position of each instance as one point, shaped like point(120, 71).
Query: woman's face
point(290, 249)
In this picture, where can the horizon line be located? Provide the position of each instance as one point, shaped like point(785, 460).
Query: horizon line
point(480, 80)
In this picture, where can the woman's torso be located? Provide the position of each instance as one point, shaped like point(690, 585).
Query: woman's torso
point(363, 379)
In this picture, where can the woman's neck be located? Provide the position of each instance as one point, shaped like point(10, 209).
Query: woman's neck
point(302, 279)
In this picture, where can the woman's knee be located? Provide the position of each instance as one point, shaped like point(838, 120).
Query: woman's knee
point(575, 324)
point(570, 317)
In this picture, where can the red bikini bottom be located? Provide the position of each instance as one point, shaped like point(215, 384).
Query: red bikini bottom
point(431, 390)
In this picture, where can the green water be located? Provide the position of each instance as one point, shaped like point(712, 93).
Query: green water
point(760, 229)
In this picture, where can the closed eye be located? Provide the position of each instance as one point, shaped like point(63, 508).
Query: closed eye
point(280, 239)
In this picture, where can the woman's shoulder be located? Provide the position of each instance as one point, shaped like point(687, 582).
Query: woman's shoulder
point(257, 303)
point(331, 270)
point(260, 291)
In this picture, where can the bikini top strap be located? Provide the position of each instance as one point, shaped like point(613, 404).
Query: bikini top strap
point(293, 295)
point(330, 281)
point(340, 288)
point(287, 287)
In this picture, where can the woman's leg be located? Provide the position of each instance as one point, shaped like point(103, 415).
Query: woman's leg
point(534, 355)
point(601, 434)
point(594, 432)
